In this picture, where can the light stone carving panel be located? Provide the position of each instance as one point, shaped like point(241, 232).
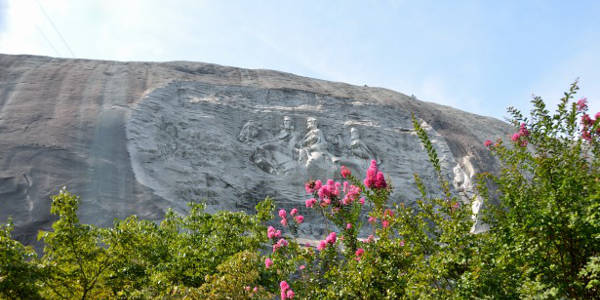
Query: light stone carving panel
point(232, 146)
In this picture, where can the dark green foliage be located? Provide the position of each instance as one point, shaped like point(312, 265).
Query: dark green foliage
point(543, 241)
point(17, 273)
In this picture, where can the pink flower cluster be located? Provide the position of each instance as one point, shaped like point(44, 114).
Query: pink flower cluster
point(352, 192)
point(279, 244)
point(268, 263)
point(298, 218)
point(328, 192)
point(582, 104)
point(294, 213)
point(370, 238)
point(487, 143)
point(359, 253)
point(312, 186)
point(588, 123)
point(286, 291)
point(329, 240)
point(272, 233)
point(374, 177)
point(283, 216)
point(345, 171)
point(520, 136)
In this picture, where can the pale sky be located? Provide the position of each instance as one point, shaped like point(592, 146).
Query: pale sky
point(478, 56)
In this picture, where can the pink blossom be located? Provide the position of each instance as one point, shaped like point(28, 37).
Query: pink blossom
point(325, 202)
point(515, 137)
point(285, 289)
point(255, 289)
point(370, 238)
point(348, 226)
point(309, 187)
point(318, 184)
point(247, 288)
point(582, 104)
point(359, 253)
point(351, 195)
point(301, 267)
point(597, 116)
point(345, 171)
point(322, 245)
point(310, 202)
point(523, 143)
point(335, 210)
point(345, 190)
point(523, 131)
point(299, 219)
point(487, 143)
point(586, 120)
point(362, 201)
point(401, 243)
point(279, 244)
point(380, 181)
point(375, 178)
point(293, 212)
point(324, 192)
point(331, 189)
point(371, 175)
point(284, 222)
point(586, 135)
point(385, 223)
point(331, 238)
point(271, 232)
point(337, 188)
point(455, 205)
point(372, 220)
point(268, 263)
point(282, 213)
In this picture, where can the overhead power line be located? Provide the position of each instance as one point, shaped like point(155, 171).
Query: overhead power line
point(55, 29)
point(47, 40)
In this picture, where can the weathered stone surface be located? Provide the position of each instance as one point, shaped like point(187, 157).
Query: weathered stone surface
point(138, 138)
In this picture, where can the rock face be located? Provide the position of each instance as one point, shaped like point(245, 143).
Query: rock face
point(138, 138)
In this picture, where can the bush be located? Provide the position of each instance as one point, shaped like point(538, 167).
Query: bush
point(543, 240)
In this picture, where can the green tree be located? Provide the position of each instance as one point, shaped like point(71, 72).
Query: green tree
point(74, 260)
point(17, 274)
point(546, 227)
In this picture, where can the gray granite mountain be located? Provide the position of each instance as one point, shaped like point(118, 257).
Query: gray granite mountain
point(138, 138)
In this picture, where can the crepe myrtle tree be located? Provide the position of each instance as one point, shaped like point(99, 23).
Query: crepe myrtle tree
point(543, 241)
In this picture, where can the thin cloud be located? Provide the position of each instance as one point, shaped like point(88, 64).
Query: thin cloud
point(480, 56)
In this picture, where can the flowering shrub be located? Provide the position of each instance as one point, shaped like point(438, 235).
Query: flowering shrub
point(543, 242)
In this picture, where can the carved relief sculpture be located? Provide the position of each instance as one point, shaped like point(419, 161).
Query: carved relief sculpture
point(358, 148)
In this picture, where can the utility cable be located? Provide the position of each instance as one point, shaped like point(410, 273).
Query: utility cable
point(47, 40)
point(55, 29)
